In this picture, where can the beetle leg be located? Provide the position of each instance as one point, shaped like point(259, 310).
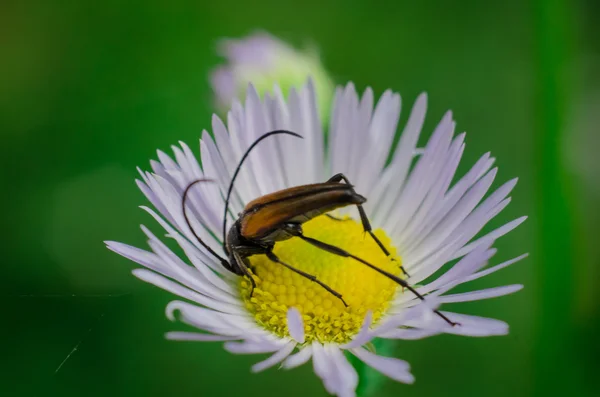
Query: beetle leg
point(338, 251)
point(312, 278)
point(335, 218)
point(365, 220)
point(243, 265)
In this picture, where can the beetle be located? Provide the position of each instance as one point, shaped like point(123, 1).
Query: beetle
point(279, 216)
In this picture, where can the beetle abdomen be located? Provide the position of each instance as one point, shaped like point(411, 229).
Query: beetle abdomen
point(298, 205)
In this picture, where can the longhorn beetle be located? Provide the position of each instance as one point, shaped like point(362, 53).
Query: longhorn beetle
point(279, 216)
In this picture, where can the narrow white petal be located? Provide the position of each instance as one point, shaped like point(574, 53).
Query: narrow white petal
point(454, 218)
point(215, 322)
point(295, 325)
point(400, 165)
point(144, 258)
point(346, 374)
point(280, 119)
point(497, 233)
point(276, 358)
point(420, 220)
point(469, 325)
point(323, 368)
point(312, 131)
point(452, 196)
point(360, 140)
point(481, 294)
point(260, 161)
point(188, 275)
point(199, 257)
point(252, 347)
point(493, 269)
point(296, 360)
point(224, 145)
point(423, 178)
point(363, 335)
point(393, 321)
point(409, 333)
point(378, 136)
point(470, 263)
point(397, 369)
point(343, 129)
point(177, 289)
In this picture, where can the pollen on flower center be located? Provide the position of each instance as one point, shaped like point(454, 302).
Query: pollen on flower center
point(326, 319)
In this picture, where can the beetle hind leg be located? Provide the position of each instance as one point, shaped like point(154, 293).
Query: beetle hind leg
point(365, 221)
point(340, 252)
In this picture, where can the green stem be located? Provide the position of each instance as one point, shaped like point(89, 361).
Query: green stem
point(371, 380)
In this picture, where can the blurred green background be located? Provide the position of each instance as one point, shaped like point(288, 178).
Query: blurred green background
point(89, 90)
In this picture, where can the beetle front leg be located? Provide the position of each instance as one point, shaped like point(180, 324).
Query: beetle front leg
point(311, 277)
point(244, 267)
point(365, 220)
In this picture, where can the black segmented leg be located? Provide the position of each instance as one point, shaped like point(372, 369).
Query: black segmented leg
point(312, 278)
point(364, 219)
point(338, 251)
point(335, 218)
point(243, 265)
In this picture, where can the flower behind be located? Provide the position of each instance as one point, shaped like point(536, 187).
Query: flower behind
point(264, 60)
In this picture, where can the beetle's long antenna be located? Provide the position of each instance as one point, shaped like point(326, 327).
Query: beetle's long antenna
point(187, 220)
point(237, 171)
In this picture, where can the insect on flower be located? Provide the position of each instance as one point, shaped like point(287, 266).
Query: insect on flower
point(279, 216)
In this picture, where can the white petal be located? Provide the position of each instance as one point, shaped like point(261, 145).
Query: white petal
point(215, 322)
point(394, 368)
point(452, 196)
point(401, 161)
point(323, 368)
point(276, 358)
point(469, 325)
point(295, 325)
point(144, 258)
point(190, 276)
point(252, 347)
point(423, 177)
point(255, 126)
point(501, 231)
point(177, 289)
point(345, 372)
point(295, 360)
point(363, 335)
point(409, 333)
point(493, 269)
point(392, 321)
point(415, 230)
point(481, 294)
point(343, 129)
point(198, 256)
point(382, 130)
point(462, 209)
point(466, 266)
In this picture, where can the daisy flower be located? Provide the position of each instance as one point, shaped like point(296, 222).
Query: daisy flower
point(263, 59)
point(422, 219)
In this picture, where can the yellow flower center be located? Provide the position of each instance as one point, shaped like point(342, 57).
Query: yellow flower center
point(326, 319)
